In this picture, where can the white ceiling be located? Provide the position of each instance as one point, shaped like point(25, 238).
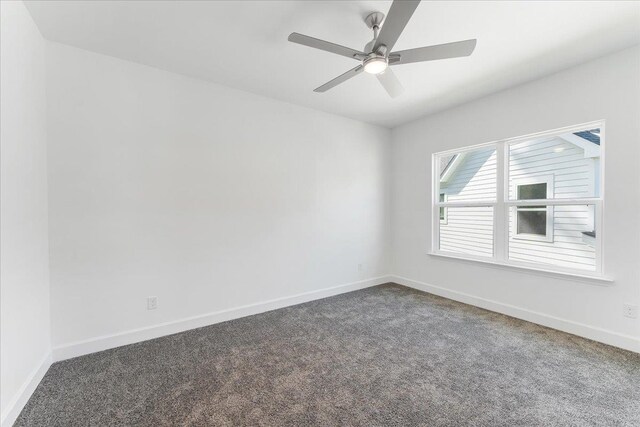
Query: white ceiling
point(243, 44)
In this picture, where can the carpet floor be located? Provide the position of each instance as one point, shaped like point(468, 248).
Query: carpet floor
point(382, 356)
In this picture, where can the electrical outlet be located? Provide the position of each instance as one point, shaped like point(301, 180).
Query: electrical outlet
point(152, 303)
point(360, 267)
point(630, 311)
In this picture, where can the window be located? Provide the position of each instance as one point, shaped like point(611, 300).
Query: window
point(534, 222)
point(533, 201)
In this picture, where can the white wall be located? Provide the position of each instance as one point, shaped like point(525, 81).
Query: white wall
point(24, 262)
point(206, 197)
point(608, 88)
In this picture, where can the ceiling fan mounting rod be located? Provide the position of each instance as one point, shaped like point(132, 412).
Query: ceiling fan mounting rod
point(374, 21)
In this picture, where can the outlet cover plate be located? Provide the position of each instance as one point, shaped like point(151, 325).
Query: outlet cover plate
point(630, 311)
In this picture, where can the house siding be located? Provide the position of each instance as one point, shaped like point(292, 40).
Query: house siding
point(469, 230)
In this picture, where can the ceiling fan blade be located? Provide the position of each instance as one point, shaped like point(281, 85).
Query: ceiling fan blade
point(340, 79)
point(326, 46)
point(432, 53)
point(399, 14)
point(390, 83)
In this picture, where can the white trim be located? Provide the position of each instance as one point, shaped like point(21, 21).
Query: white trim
point(528, 202)
point(435, 210)
point(500, 213)
point(554, 271)
point(555, 202)
point(20, 399)
point(589, 149)
point(605, 336)
point(466, 149)
point(550, 133)
point(463, 204)
point(600, 206)
point(105, 342)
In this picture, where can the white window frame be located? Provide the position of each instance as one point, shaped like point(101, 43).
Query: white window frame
point(547, 179)
point(503, 204)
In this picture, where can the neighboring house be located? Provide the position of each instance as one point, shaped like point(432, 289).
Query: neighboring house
point(565, 166)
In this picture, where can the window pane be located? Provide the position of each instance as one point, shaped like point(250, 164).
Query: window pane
point(562, 236)
point(532, 222)
point(532, 191)
point(569, 162)
point(469, 230)
point(468, 176)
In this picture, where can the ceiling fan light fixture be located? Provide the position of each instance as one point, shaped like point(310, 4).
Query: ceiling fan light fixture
point(375, 65)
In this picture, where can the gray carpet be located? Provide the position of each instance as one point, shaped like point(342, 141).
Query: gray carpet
point(383, 356)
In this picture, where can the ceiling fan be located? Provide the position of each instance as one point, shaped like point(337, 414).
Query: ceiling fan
point(377, 57)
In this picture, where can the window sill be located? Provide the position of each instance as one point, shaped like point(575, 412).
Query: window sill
point(583, 278)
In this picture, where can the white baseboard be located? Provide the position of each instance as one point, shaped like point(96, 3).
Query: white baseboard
point(15, 405)
point(106, 342)
point(615, 339)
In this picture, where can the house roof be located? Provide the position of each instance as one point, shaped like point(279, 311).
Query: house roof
point(592, 135)
point(445, 163)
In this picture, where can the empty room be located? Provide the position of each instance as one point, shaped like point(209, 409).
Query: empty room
point(320, 213)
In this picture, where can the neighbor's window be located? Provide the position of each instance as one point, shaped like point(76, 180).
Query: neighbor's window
point(530, 201)
point(534, 222)
point(443, 210)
